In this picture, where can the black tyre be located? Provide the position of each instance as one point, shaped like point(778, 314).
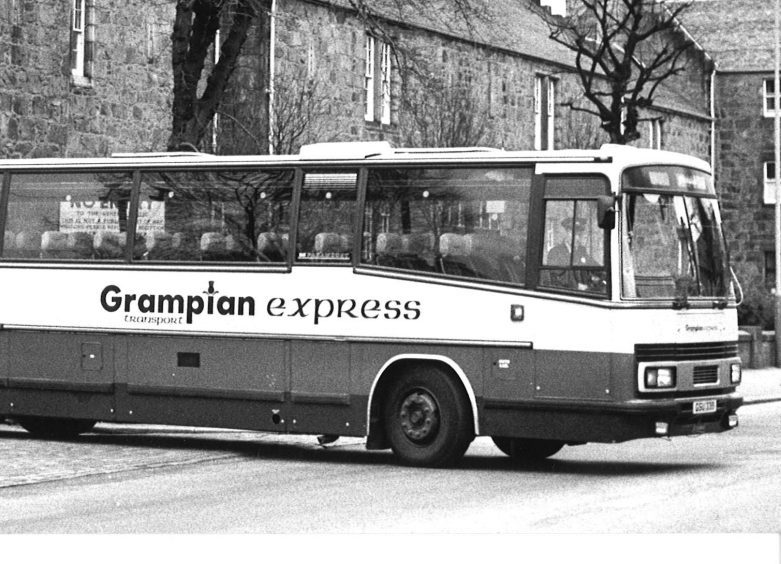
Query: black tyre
point(55, 427)
point(428, 418)
point(527, 450)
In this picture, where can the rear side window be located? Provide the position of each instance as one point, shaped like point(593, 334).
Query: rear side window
point(468, 222)
point(67, 216)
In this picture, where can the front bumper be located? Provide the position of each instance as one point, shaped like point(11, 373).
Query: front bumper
point(579, 422)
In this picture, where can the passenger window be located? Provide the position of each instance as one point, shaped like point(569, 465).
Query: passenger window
point(76, 216)
point(239, 215)
point(467, 222)
point(573, 255)
point(326, 217)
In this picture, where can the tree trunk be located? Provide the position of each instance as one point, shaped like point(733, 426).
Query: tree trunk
point(195, 29)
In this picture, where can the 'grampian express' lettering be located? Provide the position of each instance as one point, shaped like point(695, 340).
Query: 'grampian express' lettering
point(112, 299)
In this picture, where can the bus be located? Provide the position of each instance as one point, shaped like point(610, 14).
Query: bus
point(417, 298)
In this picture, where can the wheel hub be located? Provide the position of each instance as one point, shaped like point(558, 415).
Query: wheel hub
point(419, 417)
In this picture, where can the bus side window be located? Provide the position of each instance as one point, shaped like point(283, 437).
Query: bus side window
point(326, 217)
point(462, 222)
point(231, 215)
point(66, 216)
point(573, 247)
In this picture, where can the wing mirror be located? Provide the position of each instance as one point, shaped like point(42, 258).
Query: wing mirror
point(606, 212)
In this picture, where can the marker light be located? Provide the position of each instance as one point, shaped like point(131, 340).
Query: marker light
point(660, 377)
point(735, 373)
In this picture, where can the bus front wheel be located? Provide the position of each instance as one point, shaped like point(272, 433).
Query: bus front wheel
point(428, 419)
point(527, 450)
point(55, 427)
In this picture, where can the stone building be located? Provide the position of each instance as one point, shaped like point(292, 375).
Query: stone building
point(83, 77)
point(739, 35)
point(501, 68)
point(92, 77)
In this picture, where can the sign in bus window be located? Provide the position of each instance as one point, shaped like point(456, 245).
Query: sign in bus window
point(573, 255)
point(326, 217)
point(67, 216)
point(233, 215)
point(465, 222)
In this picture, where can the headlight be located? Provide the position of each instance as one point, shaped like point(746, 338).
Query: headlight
point(735, 373)
point(660, 377)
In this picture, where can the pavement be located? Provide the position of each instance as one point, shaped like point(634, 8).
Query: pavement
point(760, 385)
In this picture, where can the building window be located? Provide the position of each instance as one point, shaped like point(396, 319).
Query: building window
point(770, 269)
point(368, 78)
point(655, 133)
point(769, 182)
point(377, 92)
point(544, 112)
point(82, 41)
point(385, 94)
point(768, 97)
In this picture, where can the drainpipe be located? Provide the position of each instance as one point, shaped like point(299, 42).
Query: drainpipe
point(713, 120)
point(271, 74)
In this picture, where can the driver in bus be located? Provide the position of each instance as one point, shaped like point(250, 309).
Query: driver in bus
point(564, 254)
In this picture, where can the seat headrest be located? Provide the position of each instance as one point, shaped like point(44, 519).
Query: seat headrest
point(388, 243)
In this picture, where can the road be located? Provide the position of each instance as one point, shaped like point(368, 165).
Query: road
point(167, 480)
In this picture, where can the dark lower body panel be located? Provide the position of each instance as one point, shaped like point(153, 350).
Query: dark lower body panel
point(608, 423)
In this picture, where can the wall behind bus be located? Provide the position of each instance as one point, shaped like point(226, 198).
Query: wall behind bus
point(123, 106)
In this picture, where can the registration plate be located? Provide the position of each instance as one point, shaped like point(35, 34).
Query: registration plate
point(704, 406)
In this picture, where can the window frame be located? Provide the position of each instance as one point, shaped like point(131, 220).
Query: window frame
point(545, 90)
point(132, 237)
point(370, 49)
point(442, 277)
point(547, 192)
point(768, 97)
point(769, 183)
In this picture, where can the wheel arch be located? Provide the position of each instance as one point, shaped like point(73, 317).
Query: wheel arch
point(396, 365)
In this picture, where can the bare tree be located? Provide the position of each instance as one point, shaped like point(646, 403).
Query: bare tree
point(194, 32)
point(199, 87)
point(437, 114)
point(624, 50)
point(298, 115)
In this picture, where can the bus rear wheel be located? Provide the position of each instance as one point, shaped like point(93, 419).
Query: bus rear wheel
point(527, 450)
point(55, 427)
point(428, 418)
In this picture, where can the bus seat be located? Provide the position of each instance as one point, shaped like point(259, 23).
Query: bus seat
point(80, 244)
point(347, 242)
point(185, 246)
point(109, 245)
point(453, 256)
point(417, 251)
point(28, 244)
point(330, 245)
point(213, 246)
point(159, 245)
point(54, 244)
point(486, 251)
point(388, 248)
point(238, 248)
point(272, 247)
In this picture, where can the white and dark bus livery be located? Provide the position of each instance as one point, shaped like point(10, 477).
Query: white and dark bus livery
point(418, 298)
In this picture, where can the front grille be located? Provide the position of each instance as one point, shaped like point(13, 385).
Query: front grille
point(706, 375)
point(686, 351)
